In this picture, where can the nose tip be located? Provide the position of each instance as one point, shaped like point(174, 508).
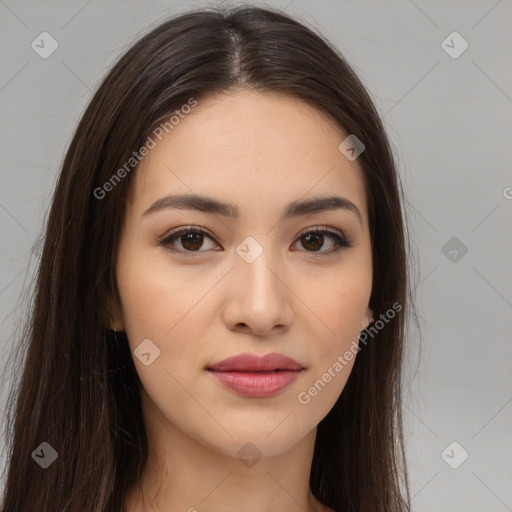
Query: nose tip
point(258, 299)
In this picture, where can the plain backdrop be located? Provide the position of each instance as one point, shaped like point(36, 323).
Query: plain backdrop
point(447, 110)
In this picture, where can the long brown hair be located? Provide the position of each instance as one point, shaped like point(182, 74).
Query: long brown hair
point(79, 389)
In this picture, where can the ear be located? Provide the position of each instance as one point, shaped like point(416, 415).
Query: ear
point(368, 319)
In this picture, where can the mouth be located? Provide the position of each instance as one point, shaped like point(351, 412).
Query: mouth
point(253, 363)
point(253, 376)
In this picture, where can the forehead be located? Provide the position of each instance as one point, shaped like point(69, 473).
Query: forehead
point(257, 150)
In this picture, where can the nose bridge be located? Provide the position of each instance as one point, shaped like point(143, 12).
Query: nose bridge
point(258, 273)
point(258, 296)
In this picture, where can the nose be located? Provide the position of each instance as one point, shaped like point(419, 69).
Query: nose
point(258, 297)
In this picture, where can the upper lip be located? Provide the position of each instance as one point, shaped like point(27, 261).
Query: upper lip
point(255, 363)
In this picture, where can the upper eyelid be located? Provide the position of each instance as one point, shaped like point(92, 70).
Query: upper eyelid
point(175, 231)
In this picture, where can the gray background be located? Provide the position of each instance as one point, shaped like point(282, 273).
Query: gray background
point(450, 123)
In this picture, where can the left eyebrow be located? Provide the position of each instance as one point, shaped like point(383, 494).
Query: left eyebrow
point(210, 205)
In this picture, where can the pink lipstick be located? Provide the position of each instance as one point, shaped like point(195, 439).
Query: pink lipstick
point(253, 376)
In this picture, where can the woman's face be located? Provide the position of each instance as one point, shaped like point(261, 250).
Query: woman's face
point(248, 279)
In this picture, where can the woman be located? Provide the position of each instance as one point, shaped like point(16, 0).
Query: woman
point(219, 312)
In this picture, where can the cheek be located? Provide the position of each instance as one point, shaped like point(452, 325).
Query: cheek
point(335, 308)
point(340, 303)
point(166, 309)
point(334, 330)
point(168, 313)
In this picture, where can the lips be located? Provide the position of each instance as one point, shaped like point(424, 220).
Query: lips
point(253, 363)
point(252, 376)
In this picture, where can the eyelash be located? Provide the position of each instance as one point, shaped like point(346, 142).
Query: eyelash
point(342, 243)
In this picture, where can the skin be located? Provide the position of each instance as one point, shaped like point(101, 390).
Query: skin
point(260, 152)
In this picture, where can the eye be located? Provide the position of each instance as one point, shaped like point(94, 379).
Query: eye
point(313, 240)
point(192, 239)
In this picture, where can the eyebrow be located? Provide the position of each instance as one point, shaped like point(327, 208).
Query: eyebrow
point(213, 206)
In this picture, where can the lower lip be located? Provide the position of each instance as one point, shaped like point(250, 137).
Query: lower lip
point(256, 385)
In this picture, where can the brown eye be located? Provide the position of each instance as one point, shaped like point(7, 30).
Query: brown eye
point(190, 239)
point(314, 240)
